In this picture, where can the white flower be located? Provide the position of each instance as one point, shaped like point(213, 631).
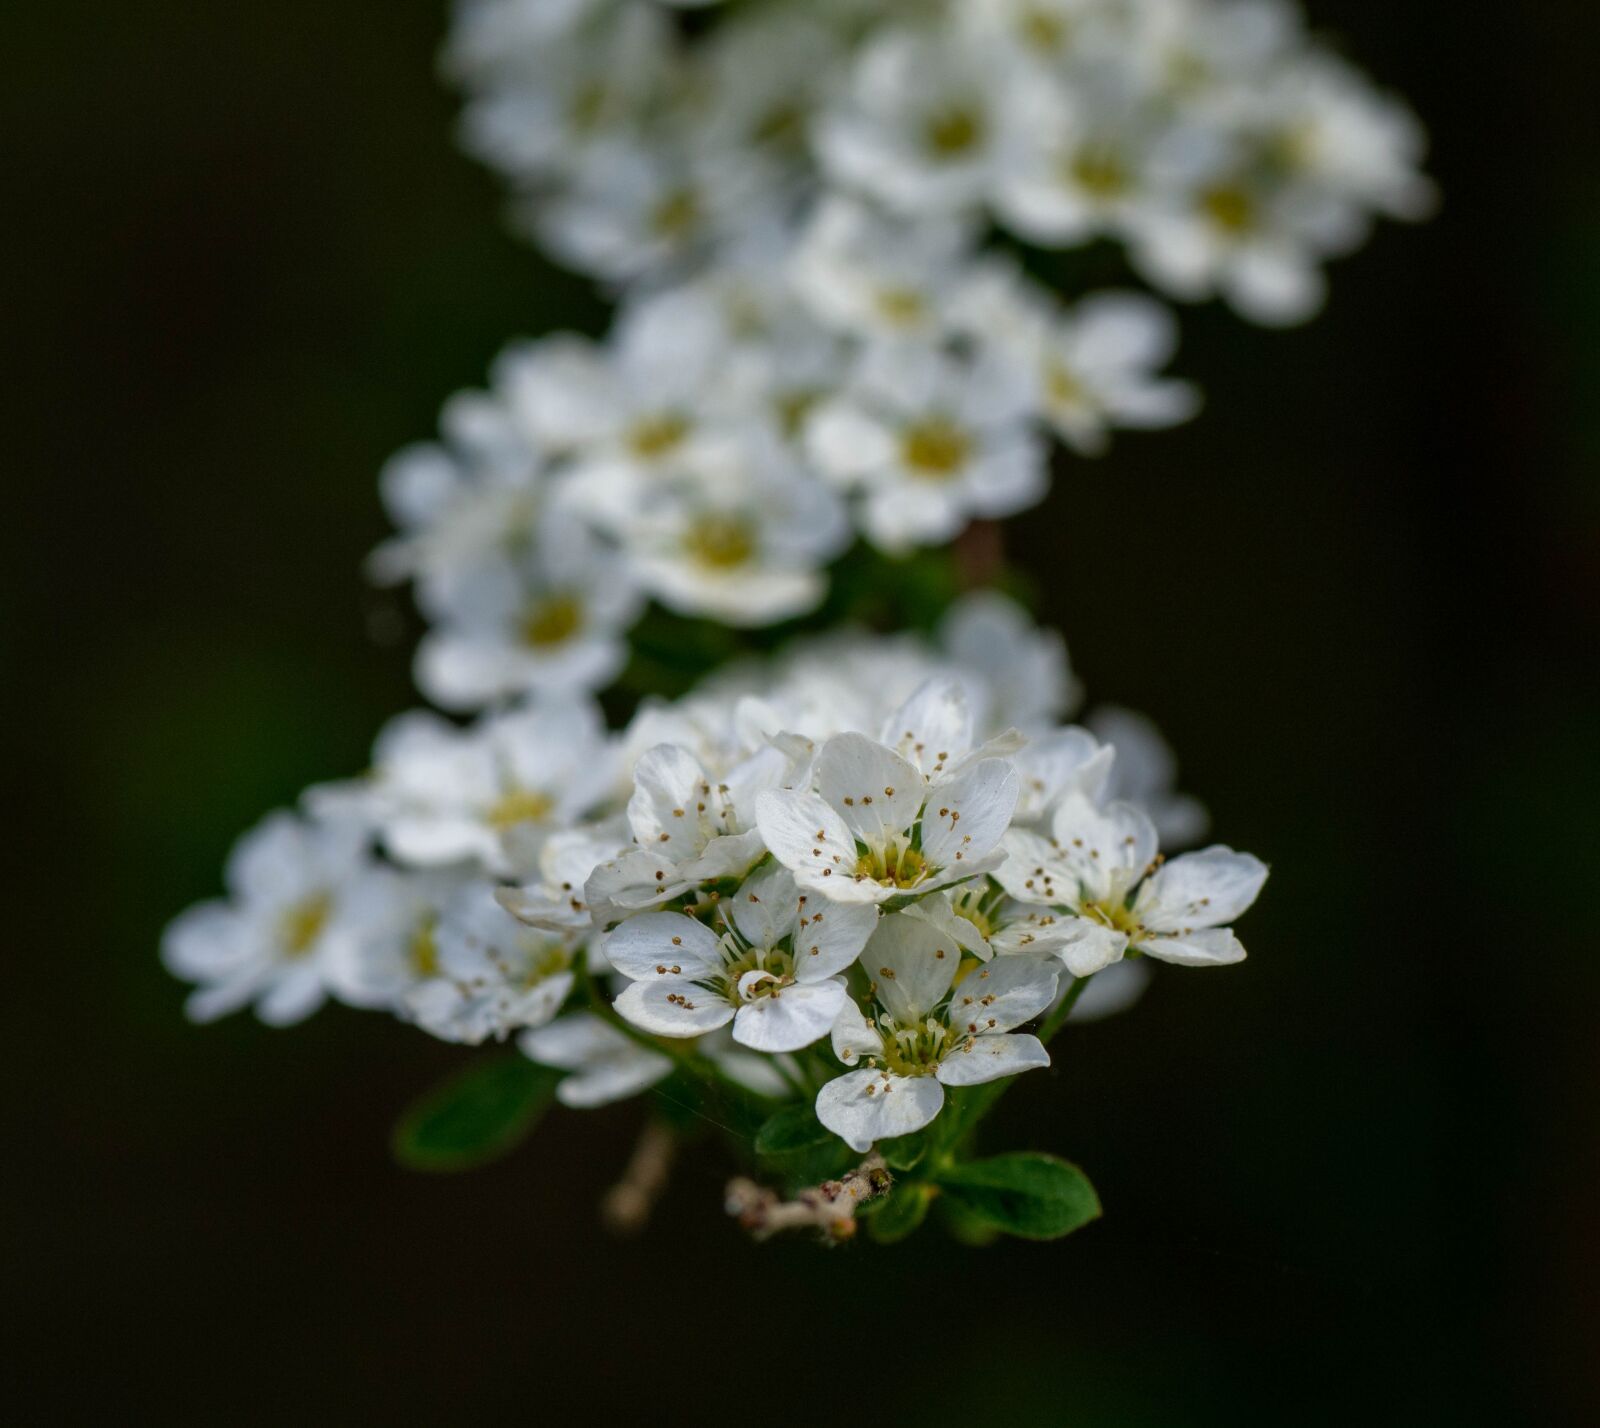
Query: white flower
point(554, 899)
point(1101, 866)
point(491, 794)
point(1079, 162)
point(742, 538)
point(1096, 370)
point(546, 100)
point(1015, 674)
point(398, 914)
point(459, 501)
point(922, 123)
point(1145, 772)
point(606, 1066)
point(635, 209)
point(550, 620)
point(929, 1031)
point(492, 973)
point(773, 969)
point(876, 828)
point(929, 441)
point(1224, 226)
point(285, 928)
point(880, 278)
point(636, 409)
point(689, 827)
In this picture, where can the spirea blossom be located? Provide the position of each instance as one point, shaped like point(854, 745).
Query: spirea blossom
point(851, 847)
point(844, 880)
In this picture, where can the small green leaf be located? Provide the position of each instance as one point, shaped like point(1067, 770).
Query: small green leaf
point(799, 1149)
point(890, 1221)
point(963, 1226)
point(1030, 1195)
point(906, 1152)
point(476, 1116)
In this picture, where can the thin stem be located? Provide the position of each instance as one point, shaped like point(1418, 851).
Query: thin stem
point(1054, 1022)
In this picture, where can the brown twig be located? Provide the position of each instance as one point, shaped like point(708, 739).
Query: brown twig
point(626, 1207)
point(829, 1207)
point(980, 555)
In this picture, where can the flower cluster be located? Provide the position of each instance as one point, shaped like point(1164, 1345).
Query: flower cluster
point(889, 846)
point(1223, 146)
point(817, 339)
point(841, 880)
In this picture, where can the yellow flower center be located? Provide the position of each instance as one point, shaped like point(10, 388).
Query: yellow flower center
point(1117, 916)
point(303, 923)
point(935, 448)
point(1043, 30)
point(654, 436)
point(901, 307)
point(793, 409)
point(914, 1050)
point(953, 132)
point(676, 215)
point(721, 542)
point(1062, 389)
point(1230, 208)
point(521, 805)
point(551, 621)
point(893, 867)
point(1098, 172)
point(423, 952)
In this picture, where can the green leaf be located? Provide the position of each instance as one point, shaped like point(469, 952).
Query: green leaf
point(795, 1146)
point(1030, 1195)
point(890, 1221)
point(963, 1226)
point(906, 1152)
point(476, 1116)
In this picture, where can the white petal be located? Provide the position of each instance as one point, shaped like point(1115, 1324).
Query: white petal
point(764, 908)
point(1035, 871)
point(789, 1019)
point(1205, 947)
point(1004, 994)
point(663, 811)
point(663, 946)
point(854, 1036)
point(911, 964)
point(812, 841)
point(933, 727)
point(1088, 947)
point(829, 936)
point(1210, 888)
point(1099, 844)
point(673, 1008)
point(872, 788)
point(988, 1058)
point(867, 1106)
point(967, 815)
point(845, 443)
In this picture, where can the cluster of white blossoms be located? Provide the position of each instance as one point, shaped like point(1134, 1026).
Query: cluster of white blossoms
point(818, 338)
point(1221, 144)
point(882, 851)
point(846, 877)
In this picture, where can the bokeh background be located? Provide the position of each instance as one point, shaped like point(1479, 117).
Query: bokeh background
point(1354, 1180)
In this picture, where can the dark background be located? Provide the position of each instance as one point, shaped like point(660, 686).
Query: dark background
point(1354, 1180)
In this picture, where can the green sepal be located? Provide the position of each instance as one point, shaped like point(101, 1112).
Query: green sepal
point(1027, 1194)
point(475, 1116)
